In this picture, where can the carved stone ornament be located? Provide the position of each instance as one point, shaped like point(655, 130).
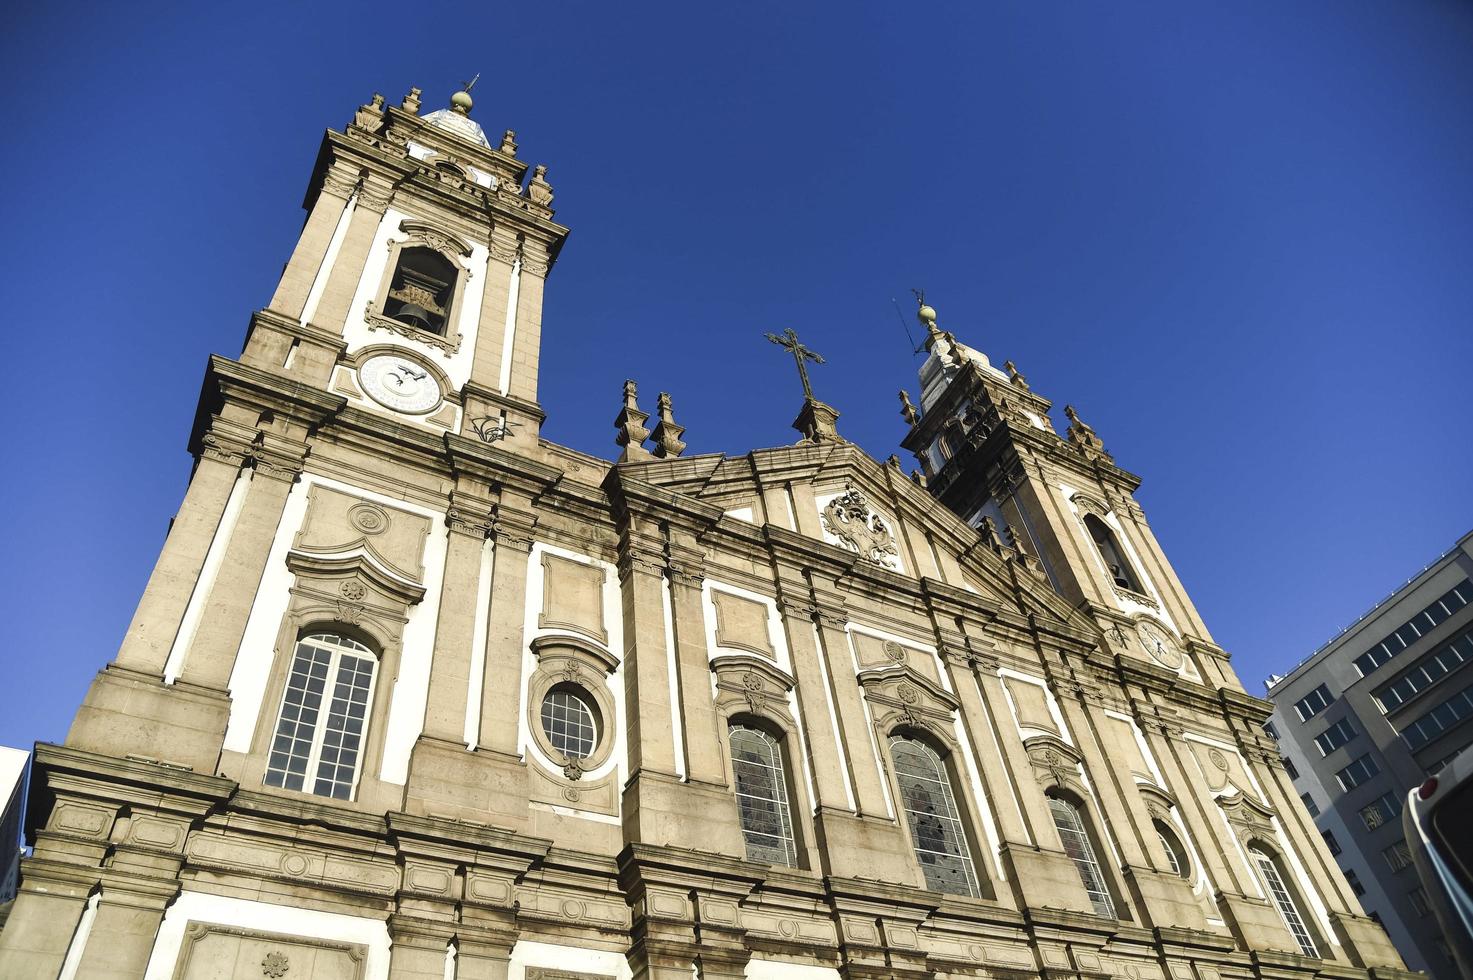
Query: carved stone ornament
point(894, 651)
point(377, 321)
point(275, 964)
point(369, 518)
point(850, 518)
point(353, 590)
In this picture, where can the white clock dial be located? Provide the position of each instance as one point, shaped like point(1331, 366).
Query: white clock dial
point(399, 383)
point(1159, 645)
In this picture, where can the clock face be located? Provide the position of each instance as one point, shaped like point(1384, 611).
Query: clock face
point(1159, 645)
point(399, 383)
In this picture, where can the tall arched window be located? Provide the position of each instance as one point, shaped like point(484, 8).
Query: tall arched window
point(1283, 898)
point(420, 292)
point(762, 796)
point(1074, 834)
point(935, 825)
point(323, 718)
point(1175, 853)
point(1111, 553)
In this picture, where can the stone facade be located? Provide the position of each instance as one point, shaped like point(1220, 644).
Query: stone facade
point(414, 693)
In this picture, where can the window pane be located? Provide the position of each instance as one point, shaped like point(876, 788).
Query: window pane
point(568, 724)
point(326, 743)
point(1280, 895)
point(935, 827)
point(1077, 845)
point(762, 797)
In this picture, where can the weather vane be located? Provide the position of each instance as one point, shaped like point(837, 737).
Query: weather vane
point(467, 86)
point(789, 342)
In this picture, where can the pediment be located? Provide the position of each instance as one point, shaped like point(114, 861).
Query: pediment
point(869, 517)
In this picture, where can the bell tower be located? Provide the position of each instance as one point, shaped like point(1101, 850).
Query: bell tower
point(426, 243)
point(1057, 504)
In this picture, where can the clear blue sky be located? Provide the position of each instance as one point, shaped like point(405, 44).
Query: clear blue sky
point(1238, 236)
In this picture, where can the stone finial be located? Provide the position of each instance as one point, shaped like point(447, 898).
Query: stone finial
point(667, 433)
point(987, 529)
point(509, 143)
point(1082, 434)
point(539, 191)
point(631, 425)
point(411, 102)
point(1016, 376)
point(371, 116)
point(907, 410)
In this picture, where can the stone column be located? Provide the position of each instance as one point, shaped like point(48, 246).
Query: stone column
point(495, 298)
point(352, 259)
point(1113, 809)
point(42, 921)
point(501, 685)
point(311, 249)
point(702, 736)
point(418, 948)
point(211, 656)
point(869, 795)
point(528, 339)
point(481, 958)
point(1002, 799)
point(176, 573)
point(468, 520)
point(124, 930)
point(823, 750)
point(1038, 822)
point(646, 674)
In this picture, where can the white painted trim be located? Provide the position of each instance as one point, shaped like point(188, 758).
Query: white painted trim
point(553, 957)
point(329, 259)
point(677, 725)
point(479, 629)
point(874, 738)
point(509, 328)
point(209, 571)
point(991, 723)
point(78, 946)
point(240, 913)
point(989, 827)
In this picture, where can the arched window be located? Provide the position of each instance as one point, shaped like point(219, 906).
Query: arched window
point(1278, 891)
point(935, 826)
point(1074, 835)
point(569, 721)
point(762, 796)
point(324, 715)
point(1175, 853)
point(420, 292)
point(1111, 553)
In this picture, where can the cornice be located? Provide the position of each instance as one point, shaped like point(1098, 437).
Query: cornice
point(143, 779)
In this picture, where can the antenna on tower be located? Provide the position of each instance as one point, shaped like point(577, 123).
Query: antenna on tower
point(906, 327)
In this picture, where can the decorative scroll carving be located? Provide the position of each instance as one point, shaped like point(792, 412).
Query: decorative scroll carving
point(377, 321)
point(1055, 763)
point(850, 518)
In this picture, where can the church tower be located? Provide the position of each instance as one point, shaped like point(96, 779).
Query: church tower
point(1059, 504)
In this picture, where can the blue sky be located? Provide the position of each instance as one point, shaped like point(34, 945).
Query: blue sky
point(1237, 236)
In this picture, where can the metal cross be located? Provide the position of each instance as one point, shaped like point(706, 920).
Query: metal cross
point(789, 342)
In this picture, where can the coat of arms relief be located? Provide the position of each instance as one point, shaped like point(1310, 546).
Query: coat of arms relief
point(850, 518)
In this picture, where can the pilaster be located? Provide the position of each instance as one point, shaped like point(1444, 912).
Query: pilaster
point(468, 521)
point(335, 194)
point(701, 733)
point(352, 258)
point(156, 621)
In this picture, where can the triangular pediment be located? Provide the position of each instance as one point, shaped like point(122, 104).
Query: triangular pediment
point(870, 514)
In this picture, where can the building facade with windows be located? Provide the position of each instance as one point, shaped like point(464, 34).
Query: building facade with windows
point(1366, 719)
point(415, 693)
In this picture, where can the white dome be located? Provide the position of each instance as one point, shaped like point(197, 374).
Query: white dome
point(460, 124)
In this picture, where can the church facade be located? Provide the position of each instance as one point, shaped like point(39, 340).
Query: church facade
point(414, 693)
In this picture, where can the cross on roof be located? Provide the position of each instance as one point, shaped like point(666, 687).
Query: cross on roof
point(788, 341)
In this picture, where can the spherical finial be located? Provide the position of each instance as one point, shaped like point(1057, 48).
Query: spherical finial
point(461, 103)
point(926, 315)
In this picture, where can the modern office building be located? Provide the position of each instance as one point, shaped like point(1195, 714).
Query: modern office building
point(415, 693)
point(1369, 716)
